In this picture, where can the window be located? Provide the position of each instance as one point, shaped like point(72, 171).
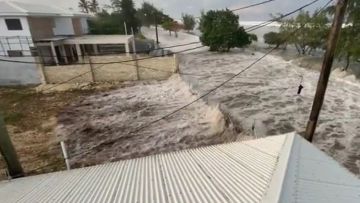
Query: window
point(13, 24)
point(13, 53)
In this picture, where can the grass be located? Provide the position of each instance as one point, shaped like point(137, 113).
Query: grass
point(31, 119)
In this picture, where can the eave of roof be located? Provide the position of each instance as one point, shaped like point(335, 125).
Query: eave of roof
point(273, 169)
point(20, 9)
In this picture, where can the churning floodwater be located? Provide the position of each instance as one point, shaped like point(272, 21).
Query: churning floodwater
point(265, 99)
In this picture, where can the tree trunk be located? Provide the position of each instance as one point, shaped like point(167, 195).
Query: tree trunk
point(170, 32)
point(348, 56)
point(298, 49)
point(303, 50)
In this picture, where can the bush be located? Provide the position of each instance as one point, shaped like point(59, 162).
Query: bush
point(273, 38)
point(189, 22)
point(221, 31)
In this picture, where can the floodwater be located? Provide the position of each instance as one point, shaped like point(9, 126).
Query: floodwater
point(114, 125)
point(262, 101)
point(265, 99)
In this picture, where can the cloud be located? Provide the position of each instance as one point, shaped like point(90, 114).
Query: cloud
point(176, 7)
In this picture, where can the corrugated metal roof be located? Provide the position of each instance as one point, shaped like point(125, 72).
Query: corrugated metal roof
point(305, 174)
point(235, 172)
point(274, 169)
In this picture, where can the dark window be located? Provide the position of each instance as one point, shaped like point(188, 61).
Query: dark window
point(13, 53)
point(13, 24)
point(34, 51)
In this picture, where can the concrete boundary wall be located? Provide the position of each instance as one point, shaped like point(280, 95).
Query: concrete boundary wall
point(96, 69)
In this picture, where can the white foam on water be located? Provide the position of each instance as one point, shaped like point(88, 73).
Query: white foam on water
point(108, 124)
point(266, 95)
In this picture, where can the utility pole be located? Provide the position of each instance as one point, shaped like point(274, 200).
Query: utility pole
point(326, 68)
point(135, 54)
point(156, 29)
point(8, 152)
point(125, 27)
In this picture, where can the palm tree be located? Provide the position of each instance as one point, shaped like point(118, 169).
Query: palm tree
point(94, 6)
point(84, 6)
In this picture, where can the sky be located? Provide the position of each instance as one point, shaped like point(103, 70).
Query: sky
point(176, 7)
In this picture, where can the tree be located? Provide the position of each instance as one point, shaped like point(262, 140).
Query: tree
point(106, 23)
point(306, 32)
point(84, 6)
point(253, 37)
point(94, 6)
point(128, 12)
point(149, 15)
point(175, 27)
point(221, 31)
point(189, 22)
point(167, 25)
point(348, 48)
point(274, 38)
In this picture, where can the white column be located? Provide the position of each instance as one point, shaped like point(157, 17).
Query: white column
point(134, 54)
point(72, 53)
point(54, 53)
point(78, 51)
point(65, 154)
point(127, 49)
point(96, 50)
point(63, 53)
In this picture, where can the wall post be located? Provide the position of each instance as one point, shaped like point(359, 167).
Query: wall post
point(65, 154)
point(176, 62)
point(41, 70)
point(52, 45)
point(91, 70)
point(135, 54)
point(8, 152)
point(78, 52)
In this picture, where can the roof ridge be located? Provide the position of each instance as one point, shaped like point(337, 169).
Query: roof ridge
point(13, 4)
point(274, 191)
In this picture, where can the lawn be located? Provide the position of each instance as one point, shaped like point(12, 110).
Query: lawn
point(30, 119)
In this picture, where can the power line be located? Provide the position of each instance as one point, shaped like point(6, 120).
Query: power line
point(103, 64)
point(125, 52)
point(204, 95)
point(252, 28)
point(248, 6)
point(147, 57)
point(252, 5)
point(145, 51)
point(208, 93)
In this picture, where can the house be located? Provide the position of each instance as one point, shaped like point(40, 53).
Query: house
point(22, 24)
point(284, 168)
point(56, 36)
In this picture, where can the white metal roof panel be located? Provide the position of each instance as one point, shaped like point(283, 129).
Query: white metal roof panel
point(274, 169)
point(235, 172)
point(307, 175)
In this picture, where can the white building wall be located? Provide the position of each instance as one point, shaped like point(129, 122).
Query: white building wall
point(84, 25)
point(63, 26)
point(17, 73)
point(5, 32)
point(15, 39)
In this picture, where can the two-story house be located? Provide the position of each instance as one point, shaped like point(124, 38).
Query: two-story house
point(56, 36)
point(22, 24)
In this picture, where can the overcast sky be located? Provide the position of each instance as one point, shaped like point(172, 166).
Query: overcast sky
point(176, 7)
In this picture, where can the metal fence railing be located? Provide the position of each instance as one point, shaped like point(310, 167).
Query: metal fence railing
point(13, 44)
